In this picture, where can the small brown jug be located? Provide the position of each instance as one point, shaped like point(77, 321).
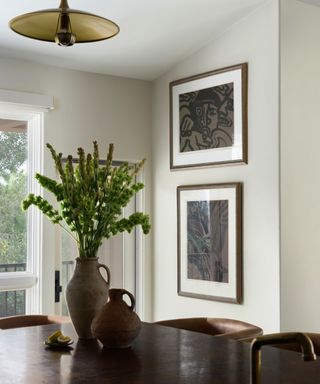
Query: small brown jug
point(116, 325)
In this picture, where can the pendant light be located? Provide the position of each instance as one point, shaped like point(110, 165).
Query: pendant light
point(64, 25)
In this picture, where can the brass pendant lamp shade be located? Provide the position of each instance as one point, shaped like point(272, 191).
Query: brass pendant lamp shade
point(64, 25)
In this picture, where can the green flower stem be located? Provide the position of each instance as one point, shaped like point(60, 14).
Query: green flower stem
point(70, 233)
point(91, 198)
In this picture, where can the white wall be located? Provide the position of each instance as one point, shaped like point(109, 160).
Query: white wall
point(87, 107)
point(253, 40)
point(300, 159)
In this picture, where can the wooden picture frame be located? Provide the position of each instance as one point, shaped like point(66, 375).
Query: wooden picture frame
point(209, 118)
point(210, 241)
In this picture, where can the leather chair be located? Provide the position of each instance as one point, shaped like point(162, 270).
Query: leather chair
point(31, 320)
point(232, 329)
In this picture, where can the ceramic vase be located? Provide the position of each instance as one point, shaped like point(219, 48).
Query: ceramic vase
point(86, 293)
point(117, 325)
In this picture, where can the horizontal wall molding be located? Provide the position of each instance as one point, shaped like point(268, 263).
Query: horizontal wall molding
point(31, 100)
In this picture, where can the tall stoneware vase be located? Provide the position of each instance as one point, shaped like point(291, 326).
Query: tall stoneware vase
point(86, 292)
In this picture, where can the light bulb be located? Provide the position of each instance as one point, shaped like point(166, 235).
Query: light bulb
point(65, 39)
point(64, 36)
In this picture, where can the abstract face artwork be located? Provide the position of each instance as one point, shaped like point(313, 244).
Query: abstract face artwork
point(206, 118)
point(209, 118)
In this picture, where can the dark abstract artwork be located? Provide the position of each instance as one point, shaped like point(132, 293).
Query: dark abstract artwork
point(207, 227)
point(206, 118)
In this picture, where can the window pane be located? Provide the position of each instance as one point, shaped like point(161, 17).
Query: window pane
point(13, 188)
point(12, 303)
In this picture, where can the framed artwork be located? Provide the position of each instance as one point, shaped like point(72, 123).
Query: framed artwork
point(208, 118)
point(210, 241)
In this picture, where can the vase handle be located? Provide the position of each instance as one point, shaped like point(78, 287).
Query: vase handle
point(107, 270)
point(132, 299)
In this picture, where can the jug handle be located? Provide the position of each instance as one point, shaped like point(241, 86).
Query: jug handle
point(107, 270)
point(132, 299)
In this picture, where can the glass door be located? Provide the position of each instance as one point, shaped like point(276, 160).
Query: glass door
point(20, 150)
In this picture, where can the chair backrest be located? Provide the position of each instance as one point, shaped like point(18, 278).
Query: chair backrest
point(31, 320)
point(232, 329)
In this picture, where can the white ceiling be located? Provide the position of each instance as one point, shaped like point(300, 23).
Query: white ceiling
point(154, 34)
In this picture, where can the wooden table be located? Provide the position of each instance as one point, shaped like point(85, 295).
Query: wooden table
point(160, 355)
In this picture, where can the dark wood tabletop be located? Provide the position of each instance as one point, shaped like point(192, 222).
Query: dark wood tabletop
point(159, 355)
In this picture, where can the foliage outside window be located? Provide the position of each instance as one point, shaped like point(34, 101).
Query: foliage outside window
point(13, 187)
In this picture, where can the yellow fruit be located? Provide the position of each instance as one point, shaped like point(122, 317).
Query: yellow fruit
point(63, 339)
point(53, 338)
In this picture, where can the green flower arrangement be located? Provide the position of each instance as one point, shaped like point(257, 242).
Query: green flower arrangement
point(91, 198)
